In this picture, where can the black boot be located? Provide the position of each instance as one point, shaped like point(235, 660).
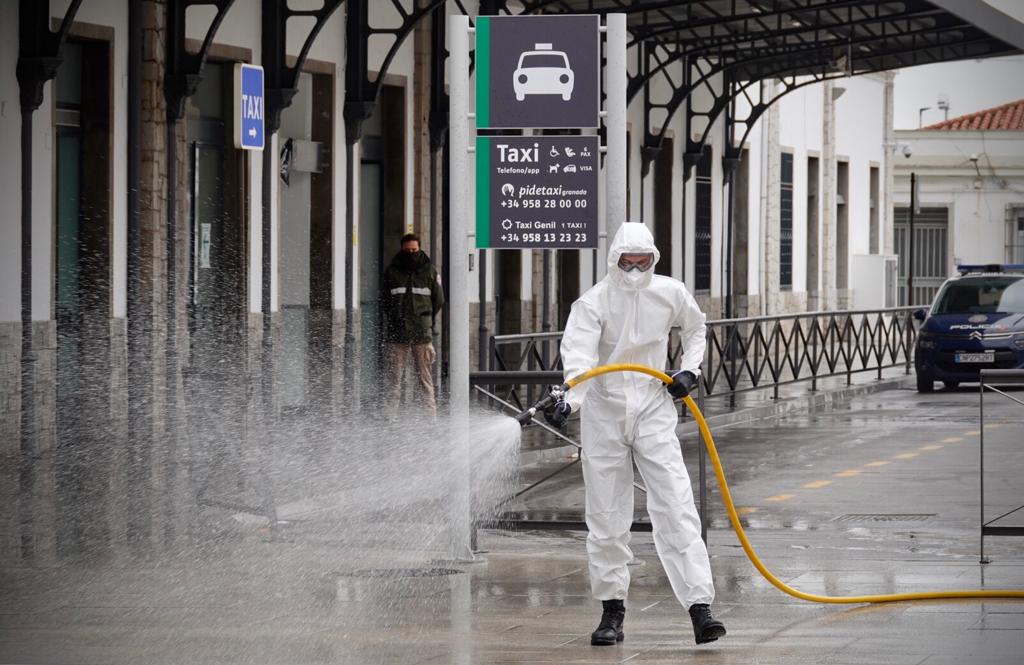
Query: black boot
point(706, 628)
point(609, 631)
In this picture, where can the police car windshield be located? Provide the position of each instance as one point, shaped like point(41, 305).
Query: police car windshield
point(982, 295)
point(542, 60)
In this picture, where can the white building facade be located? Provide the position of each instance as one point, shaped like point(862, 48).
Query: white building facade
point(970, 191)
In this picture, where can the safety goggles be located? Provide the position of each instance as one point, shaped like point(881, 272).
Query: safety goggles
point(641, 262)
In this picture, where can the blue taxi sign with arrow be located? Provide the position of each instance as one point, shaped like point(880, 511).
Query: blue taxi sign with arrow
point(249, 107)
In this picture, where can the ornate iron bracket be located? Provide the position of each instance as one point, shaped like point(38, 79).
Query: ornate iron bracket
point(184, 70)
point(282, 81)
point(360, 92)
point(39, 49)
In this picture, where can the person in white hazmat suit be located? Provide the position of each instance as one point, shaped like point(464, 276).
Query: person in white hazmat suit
point(627, 417)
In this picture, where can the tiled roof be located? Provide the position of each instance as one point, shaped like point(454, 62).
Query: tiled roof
point(1006, 117)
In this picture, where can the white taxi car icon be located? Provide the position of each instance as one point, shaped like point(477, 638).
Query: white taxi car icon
point(543, 72)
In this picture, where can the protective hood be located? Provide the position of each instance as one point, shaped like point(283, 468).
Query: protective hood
point(631, 237)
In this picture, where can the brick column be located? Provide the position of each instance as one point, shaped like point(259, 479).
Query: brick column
point(149, 399)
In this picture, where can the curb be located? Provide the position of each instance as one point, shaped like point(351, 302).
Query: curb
point(823, 398)
point(813, 401)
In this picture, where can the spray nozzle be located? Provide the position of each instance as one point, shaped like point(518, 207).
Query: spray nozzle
point(556, 393)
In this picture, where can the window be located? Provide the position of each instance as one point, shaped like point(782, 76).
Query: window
point(842, 226)
point(1015, 233)
point(786, 224)
point(874, 244)
point(813, 244)
point(702, 226)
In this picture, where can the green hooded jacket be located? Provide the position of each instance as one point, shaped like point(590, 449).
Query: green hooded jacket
point(412, 295)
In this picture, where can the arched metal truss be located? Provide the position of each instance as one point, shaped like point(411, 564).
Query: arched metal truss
point(713, 46)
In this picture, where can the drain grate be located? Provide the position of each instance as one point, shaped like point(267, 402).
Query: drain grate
point(885, 517)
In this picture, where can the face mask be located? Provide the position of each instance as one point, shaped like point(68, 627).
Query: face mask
point(634, 278)
point(408, 259)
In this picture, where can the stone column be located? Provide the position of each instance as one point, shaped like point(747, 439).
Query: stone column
point(829, 184)
point(885, 217)
point(772, 218)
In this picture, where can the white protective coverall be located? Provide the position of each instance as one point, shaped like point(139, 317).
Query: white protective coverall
point(626, 416)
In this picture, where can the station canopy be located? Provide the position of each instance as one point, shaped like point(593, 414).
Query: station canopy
point(758, 39)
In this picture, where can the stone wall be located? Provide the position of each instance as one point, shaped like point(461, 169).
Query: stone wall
point(10, 438)
point(39, 537)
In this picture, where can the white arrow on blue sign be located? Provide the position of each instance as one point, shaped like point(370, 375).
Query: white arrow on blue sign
point(249, 107)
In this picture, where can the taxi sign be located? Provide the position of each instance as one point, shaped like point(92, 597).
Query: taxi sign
point(249, 107)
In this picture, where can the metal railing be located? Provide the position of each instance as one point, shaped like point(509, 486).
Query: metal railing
point(742, 354)
point(990, 378)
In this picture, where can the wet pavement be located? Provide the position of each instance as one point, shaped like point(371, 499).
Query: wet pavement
point(878, 495)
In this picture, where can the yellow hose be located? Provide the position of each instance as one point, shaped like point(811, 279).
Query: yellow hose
point(734, 518)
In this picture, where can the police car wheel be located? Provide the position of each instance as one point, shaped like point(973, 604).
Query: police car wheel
point(924, 384)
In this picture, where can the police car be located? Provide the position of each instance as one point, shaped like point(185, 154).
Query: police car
point(976, 322)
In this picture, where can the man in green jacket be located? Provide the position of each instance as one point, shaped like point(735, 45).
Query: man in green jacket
point(412, 297)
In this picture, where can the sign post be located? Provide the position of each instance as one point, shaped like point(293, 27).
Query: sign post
point(458, 285)
point(249, 107)
point(532, 72)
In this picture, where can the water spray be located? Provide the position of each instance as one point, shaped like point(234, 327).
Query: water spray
point(734, 518)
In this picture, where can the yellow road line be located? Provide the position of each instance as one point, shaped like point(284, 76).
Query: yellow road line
point(817, 484)
point(952, 439)
point(905, 456)
point(881, 462)
point(931, 447)
point(849, 473)
point(746, 510)
point(780, 497)
point(973, 432)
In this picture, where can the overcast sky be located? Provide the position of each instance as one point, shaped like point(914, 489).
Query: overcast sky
point(971, 85)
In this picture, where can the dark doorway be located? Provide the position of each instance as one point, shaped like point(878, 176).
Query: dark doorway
point(663, 206)
point(306, 214)
point(842, 229)
point(813, 242)
point(217, 232)
point(741, 234)
point(381, 218)
point(568, 284)
point(508, 267)
point(82, 291)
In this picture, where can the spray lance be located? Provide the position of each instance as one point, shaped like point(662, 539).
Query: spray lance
point(557, 392)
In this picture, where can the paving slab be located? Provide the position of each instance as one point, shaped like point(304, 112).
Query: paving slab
point(309, 596)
